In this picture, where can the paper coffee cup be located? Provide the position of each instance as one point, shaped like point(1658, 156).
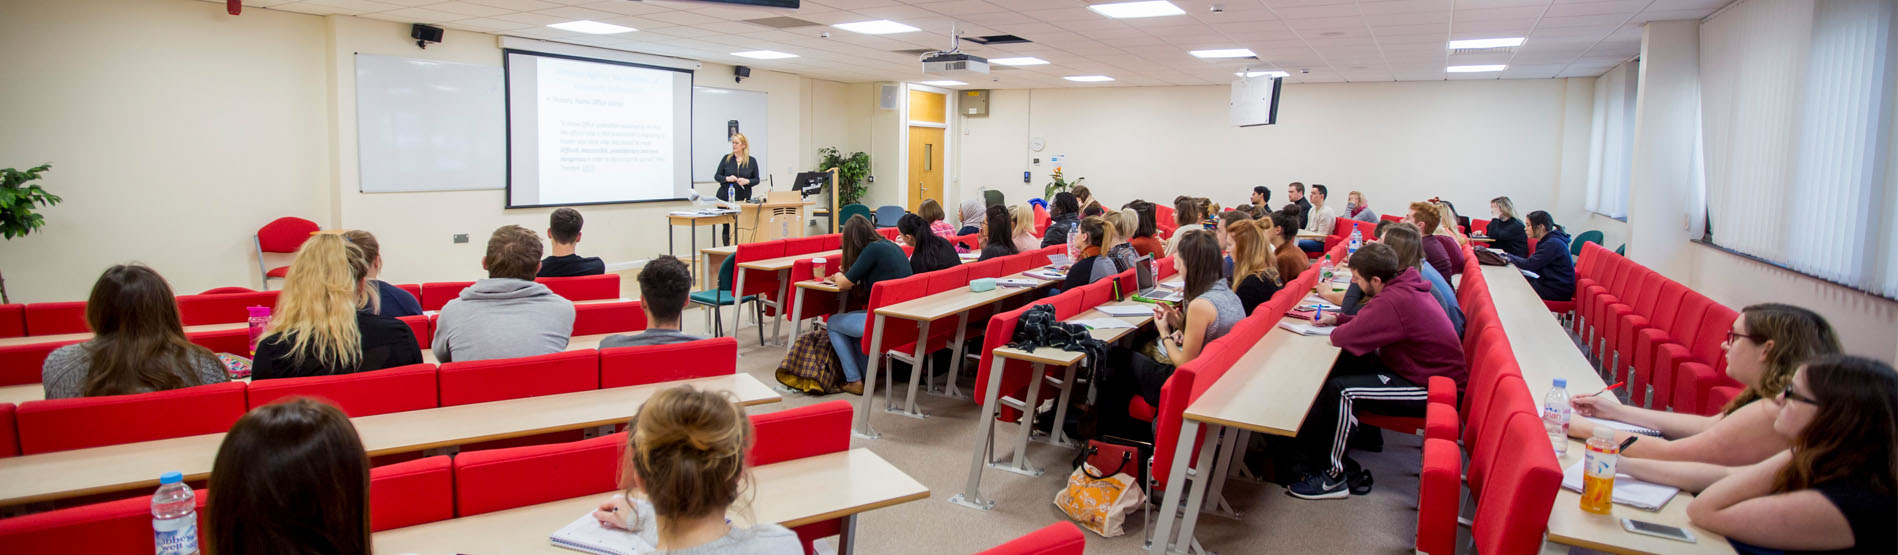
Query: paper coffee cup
point(817, 268)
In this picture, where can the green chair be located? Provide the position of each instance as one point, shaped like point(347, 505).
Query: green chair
point(1590, 236)
point(992, 197)
point(722, 297)
point(844, 214)
point(1622, 250)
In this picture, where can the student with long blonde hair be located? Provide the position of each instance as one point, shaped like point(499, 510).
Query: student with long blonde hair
point(683, 470)
point(1022, 219)
point(736, 174)
point(1255, 274)
point(318, 327)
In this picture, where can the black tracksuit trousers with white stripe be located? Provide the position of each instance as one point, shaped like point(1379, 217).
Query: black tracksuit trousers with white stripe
point(1356, 383)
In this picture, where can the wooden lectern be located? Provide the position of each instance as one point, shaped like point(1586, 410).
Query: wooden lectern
point(780, 216)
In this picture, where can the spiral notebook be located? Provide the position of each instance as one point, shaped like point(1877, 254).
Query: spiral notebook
point(586, 535)
point(1628, 491)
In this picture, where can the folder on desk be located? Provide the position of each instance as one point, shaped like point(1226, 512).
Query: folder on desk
point(1628, 491)
point(586, 535)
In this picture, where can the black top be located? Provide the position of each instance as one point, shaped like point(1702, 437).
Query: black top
point(879, 261)
point(1254, 290)
point(1509, 236)
point(1304, 212)
point(1870, 515)
point(937, 256)
point(1058, 230)
point(571, 265)
point(1089, 270)
point(993, 250)
point(728, 166)
point(386, 343)
point(396, 302)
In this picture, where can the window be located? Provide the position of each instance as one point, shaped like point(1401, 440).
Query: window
point(1797, 120)
point(1611, 141)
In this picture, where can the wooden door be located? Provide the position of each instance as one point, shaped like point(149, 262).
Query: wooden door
point(925, 165)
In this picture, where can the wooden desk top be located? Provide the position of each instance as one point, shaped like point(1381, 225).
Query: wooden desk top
point(790, 493)
point(1303, 234)
point(815, 285)
point(78, 472)
point(956, 301)
point(1271, 387)
point(1570, 525)
point(85, 336)
point(785, 262)
point(1057, 357)
point(726, 250)
point(694, 218)
point(21, 393)
point(604, 301)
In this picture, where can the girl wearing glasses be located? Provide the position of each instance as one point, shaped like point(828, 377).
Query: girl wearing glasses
point(1766, 344)
point(1833, 491)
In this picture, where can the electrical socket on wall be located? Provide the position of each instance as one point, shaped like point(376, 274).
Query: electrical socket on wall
point(461, 238)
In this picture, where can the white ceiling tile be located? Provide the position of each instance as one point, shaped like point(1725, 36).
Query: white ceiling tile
point(516, 5)
point(420, 15)
point(1623, 7)
point(1493, 14)
point(1583, 20)
point(1315, 12)
point(624, 8)
point(1670, 15)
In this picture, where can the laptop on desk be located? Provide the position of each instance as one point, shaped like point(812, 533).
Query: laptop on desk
point(1147, 282)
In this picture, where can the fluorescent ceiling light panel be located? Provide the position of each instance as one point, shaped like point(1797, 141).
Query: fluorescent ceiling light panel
point(1476, 69)
point(942, 83)
point(764, 54)
point(1089, 78)
point(1262, 74)
point(592, 27)
point(1486, 43)
point(1018, 61)
point(1224, 53)
point(877, 27)
point(1127, 10)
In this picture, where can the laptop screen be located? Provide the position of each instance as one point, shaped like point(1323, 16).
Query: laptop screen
point(1143, 272)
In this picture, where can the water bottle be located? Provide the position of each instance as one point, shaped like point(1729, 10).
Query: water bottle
point(258, 319)
point(1357, 240)
point(1598, 471)
point(174, 516)
point(1555, 413)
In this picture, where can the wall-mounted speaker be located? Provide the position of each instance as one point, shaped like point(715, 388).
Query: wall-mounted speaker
point(425, 34)
point(888, 95)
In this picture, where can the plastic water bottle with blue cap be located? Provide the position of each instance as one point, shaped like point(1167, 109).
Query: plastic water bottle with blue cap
point(1357, 240)
point(174, 516)
point(1555, 415)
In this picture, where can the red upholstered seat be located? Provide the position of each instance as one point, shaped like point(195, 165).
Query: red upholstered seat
point(482, 381)
point(1390, 218)
point(583, 288)
point(815, 304)
point(281, 236)
point(12, 320)
point(608, 317)
point(410, 493)
point(1511, 399)
point(1060, 538)
point(9, 431)
point(234, 341)
point(434, 295)
point(802, 432)
point(1513, 512)
point(1014, 373)
point(488, 481)
point(413, 289)
point(227, 290)
point(628, 366)
point(21, 364)
point(122, 526)
point(403, 388)
point(1438, 493)
point(56, 318)
point(422, 327)
point(803, 245)
point(62, 424)
point(832, 241)
point(226, 308)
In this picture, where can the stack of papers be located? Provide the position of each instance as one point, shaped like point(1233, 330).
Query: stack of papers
point(1303, 328)
point(1045, 274)
point(1624, 426)
point(1016, 282)
point(1628, 491)
point(1125, 310)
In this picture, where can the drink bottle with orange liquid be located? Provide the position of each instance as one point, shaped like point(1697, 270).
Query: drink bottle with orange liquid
point(1598, 471)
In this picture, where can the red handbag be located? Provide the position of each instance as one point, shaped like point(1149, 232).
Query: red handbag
point(1113, 455)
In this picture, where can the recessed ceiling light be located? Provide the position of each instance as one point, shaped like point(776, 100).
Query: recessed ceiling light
point(592, 27)
point(1262, 74)
point(1089, 78)
point(1018, 61)
point(942, 83)
point(1476, 69)
point(1224, 53)
point(1126, 10)
point(764, 54)
point(878, 27)
point(1486, 43)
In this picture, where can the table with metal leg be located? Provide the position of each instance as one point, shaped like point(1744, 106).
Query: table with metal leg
point(782, 265)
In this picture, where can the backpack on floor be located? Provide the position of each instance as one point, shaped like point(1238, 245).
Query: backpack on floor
point(811, 366)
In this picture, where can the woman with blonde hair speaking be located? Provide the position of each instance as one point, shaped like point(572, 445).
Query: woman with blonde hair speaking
point(319, 328)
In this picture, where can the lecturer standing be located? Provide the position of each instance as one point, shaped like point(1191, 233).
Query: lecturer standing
point(735, 174)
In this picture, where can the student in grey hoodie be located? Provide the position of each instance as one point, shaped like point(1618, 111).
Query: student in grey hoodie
point(663, 288)
point(506, 315)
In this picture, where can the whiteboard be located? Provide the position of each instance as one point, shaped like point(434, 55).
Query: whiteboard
point(712, 109)
point(425, 125)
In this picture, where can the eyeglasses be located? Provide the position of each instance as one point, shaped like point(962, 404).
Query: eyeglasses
point(1732, 335)
point(1789, 395)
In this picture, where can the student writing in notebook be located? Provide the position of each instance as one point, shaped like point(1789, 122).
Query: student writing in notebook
point(683, 470)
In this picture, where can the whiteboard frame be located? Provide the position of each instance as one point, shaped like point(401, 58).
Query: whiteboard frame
point(375, 174)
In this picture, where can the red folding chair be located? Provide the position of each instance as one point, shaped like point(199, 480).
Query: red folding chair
point(1060, 538)
point(481, 381)
point(56, 318)
point(281, 236)
point(1512, 514)
point(398, 389)
point(78, 423)
point(583, 288)
point(644, 364)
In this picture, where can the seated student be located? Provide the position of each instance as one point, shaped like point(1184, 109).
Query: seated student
point(389, 300)
point(930, 253)
point(665, 285)
point(1505, 231)
point(1225, 220)
point(1063, 214)
point(1351, 298)
point(1186, 215)
point(1437, 248)
point(318, 327)
point(1083, 196)
point(564, 228)
point(506, 315)
point(1211, 310)
point(973, 214)
point(1391, 350)
point(1834, 491)
point(868, 259)
point(1320, 219)
point(1022, 221)
point(1295, 194)
point(1261, 200)
point(1285, 252)
point(1450, 227)
point(1094, 263)
point(1092, 209)
point(1407, 242)
point(683, 469)
point(138, 345)
point(1554, 269)
point(289, 477)
point(1145, 240)
point(1125, 223)
point(931, 212)
point(1255, 274)
point(1763, 349)
point(1359, 209)
point(997, 233)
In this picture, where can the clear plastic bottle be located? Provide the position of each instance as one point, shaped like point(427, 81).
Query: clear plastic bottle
point(1598, 472)
point(1357, 240)
point(1555, 415)
point(174, 517)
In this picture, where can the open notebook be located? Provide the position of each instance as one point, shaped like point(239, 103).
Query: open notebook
point(1624, 426)
point(1628, 491)
point(588, 536)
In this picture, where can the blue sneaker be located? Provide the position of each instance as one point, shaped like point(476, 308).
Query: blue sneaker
point(1321, 485)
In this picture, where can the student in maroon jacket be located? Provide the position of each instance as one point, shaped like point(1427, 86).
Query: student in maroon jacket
point(1392, 347)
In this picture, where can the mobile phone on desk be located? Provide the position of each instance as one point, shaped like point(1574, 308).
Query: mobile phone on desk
point(1657, 530)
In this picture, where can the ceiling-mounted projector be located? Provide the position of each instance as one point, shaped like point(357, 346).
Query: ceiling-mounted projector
point(954, 63)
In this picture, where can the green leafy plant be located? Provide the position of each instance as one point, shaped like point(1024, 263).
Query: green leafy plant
point(1059, 184)
point(18, 198)
point(850, 173)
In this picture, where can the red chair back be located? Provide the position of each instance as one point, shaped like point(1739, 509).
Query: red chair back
point(12, 320)
point(947, 279)
point(410, 493)
point(122, 526)
point(991, 268)
point(1000, 330)
point(1163, 268)
point(758, 282)
point(1479, 225)
point(886, 293)
point(832, 241)
point(1511, 398)
point(1513, 511)
point(482, 381)
point(434, 295)
point(403, 388)
point(490, 480)
point(413, 289)
point(806, 431)
point(608, 317)
point(815, 304)
point(1060, 538)
point(22, 364)
point(887, 232)
point(1391, 218)
point(421, 327)
point(198, 310)
point(583, 288)
point(1094, 294)
point(56, 318)
point(1438, 495)
point(284, 235)
point(803, 245)
point(78, 423)
point(644, 364)
point(234, 341)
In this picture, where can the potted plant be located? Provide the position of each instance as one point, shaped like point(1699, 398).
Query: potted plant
point(1059, 184)
point(18, 198)
point(850, 173)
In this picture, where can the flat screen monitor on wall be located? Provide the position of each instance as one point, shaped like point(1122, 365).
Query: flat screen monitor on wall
point(591, 131)
point(1255, 101)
